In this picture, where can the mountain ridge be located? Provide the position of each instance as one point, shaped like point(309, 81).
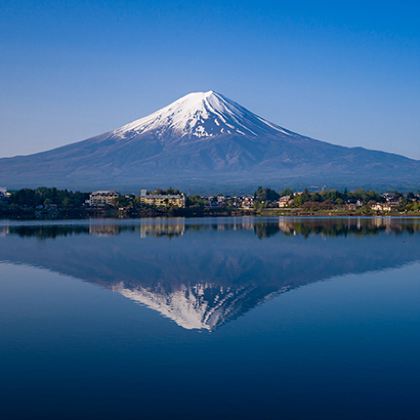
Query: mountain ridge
point(205, 140)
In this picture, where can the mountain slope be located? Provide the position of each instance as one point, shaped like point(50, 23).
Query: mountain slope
point(205, 140)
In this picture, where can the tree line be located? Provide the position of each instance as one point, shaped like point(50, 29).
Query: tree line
point(46, 202)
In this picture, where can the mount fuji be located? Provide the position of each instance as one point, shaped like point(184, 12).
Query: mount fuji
point(205, 141)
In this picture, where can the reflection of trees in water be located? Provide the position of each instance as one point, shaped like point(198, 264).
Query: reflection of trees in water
point(331, 229)
point(265, 230)
point(47, 231)
point(262, 228)
point(53, 231)
point(344, 227)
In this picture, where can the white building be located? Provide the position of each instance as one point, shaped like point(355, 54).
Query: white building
point(162, 200)
point(4, 193)
point(103, 198)
point(381, 207)
point(247, 202)
point(285, 201)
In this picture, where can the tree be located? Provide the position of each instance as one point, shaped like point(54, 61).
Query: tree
point(196, 201)
point(265, 195)
point(286, 191)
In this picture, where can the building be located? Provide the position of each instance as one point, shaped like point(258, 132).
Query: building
point(381, 207)
point(353, 204)
point(285, 201)
point(162, 200)
point(218, 201)
point(233, 202)
point(103, 198)
point(4, 193)
point(247, 202)
point(212, 202)
point(391, 197)
point(221, 200)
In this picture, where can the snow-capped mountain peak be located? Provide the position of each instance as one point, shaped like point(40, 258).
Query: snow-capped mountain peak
point(200, 115)
point(206, 142)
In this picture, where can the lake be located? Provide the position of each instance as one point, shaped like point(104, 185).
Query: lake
point(221, 318)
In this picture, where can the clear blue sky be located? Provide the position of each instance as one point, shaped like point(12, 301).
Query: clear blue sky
point(347, 72)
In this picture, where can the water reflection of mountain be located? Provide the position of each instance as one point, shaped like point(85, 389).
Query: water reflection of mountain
point(203, 275)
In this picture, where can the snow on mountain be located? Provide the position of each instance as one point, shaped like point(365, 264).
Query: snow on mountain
point(205, 142)
point(200, 114)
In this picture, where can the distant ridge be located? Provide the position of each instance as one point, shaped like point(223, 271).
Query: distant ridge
point(205, 141)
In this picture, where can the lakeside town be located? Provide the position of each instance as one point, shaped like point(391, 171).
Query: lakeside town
point(52, 203)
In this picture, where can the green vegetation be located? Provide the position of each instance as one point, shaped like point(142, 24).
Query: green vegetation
point(43, 203)
point(358, 202)
point(265, 195)
point(196, 201)
point(168, 191)
point(52, 203)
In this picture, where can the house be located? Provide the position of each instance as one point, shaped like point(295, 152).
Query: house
point(4, 193)
point(233, 202)
point(384, 207)
point(162, 200)
point(285, 201)
point(103, 198)
point(247, 202)
point(221, 200)
point(391, 197)
point(212, 202)
point(353, 204)
point(218, 201)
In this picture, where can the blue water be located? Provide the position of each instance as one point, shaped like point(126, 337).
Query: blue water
point(210, 318)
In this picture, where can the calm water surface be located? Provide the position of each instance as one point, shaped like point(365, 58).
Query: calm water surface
point(210, 318)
